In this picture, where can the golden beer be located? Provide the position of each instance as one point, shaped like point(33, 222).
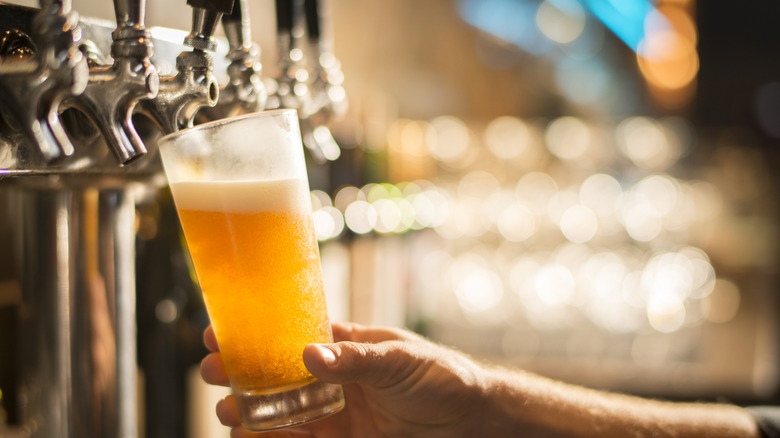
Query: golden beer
point(254, 242)
point(242, 193)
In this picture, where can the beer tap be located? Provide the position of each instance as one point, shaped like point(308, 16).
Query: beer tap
point(32, 89)
point(315, 93)
point(327, 98)
point(245, 91)
point(246, 85)
point(290, 88)
point(194, 86)
point(114, 91)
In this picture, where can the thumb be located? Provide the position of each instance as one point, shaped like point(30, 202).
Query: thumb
point(381, 365)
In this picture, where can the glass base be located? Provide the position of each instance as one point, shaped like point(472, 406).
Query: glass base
point(265, 411)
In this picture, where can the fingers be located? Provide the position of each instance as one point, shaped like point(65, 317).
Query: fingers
point(380, 365)
point(212, 369)
point(227, 412)
point(345, 331)
point(210, 339)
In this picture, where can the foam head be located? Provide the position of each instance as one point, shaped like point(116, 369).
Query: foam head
point(260, 146)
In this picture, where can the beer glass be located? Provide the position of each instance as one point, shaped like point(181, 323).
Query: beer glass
point(241, 190)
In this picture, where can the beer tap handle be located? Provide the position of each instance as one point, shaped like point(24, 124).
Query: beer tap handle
point(206, 14)
point(326, 90)
point(285, 21)
point(326, 94)
point(236, 26)
point(312, 11)
point(291, 88)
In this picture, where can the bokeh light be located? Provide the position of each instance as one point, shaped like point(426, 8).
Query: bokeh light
point(570, 243)
point(561, 20)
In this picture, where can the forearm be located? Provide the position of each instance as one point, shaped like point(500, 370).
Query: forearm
point(530, 403)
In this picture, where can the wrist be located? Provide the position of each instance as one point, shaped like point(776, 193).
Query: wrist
point(505, 404)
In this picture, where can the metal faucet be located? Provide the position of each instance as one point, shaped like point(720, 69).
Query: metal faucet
point(327, 98)
point(194, 87)
point(31, 90)
point(113, 91)
point(310, 75)
point(244, 91)
point(290, 88)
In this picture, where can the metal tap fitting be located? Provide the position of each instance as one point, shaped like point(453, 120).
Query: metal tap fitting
point(290, 88)
point(327, 96)
point(181, 96)
point(113, 91)
point(245, 86)
point(310, 76)
point(32, 89)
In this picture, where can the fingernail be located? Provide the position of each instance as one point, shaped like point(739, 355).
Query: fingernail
point(327, 355)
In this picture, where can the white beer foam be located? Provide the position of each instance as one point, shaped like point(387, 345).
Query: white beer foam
point(287, 195)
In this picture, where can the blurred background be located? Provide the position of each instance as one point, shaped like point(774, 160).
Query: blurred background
point(586, 189)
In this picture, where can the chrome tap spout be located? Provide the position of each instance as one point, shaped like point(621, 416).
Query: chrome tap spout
point(32, 89)
point(245, 91)
point(180, 97)
point(328, 99)
point(113, 91)
point(194, 87)
point(310, 75)
point(290, 88)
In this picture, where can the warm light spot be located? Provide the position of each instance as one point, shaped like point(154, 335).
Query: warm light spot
point(388, 215)
point(660, 191)
point(568, 138)
point(678, 18)
point(560, 203)
point(327, 144)
point(319, 199)
point(296, 54)
point(479, 290)
point(448, 139)
point(642, 222)
point(601, 193)
point(516, 223)
point(645, 142)
point(561, 20)
point(507, 137)
point(347, 195)
point(668, 60)
point(360, 217)
point(328, 223)
point(555, 284)
point(579, 224)
point(408, 137)
point(666, 313)
point(535, 189)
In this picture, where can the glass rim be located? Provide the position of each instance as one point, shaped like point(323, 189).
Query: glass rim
point(225, 121)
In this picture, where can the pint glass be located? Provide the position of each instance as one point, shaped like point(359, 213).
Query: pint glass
point(241, 190)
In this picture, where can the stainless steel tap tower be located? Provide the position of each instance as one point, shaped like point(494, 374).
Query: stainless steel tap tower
point(81, 106)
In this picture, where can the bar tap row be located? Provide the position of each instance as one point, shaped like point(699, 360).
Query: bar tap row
point(54, 71)
point(82, 104)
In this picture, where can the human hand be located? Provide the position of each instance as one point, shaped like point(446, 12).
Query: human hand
point(396, 384)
